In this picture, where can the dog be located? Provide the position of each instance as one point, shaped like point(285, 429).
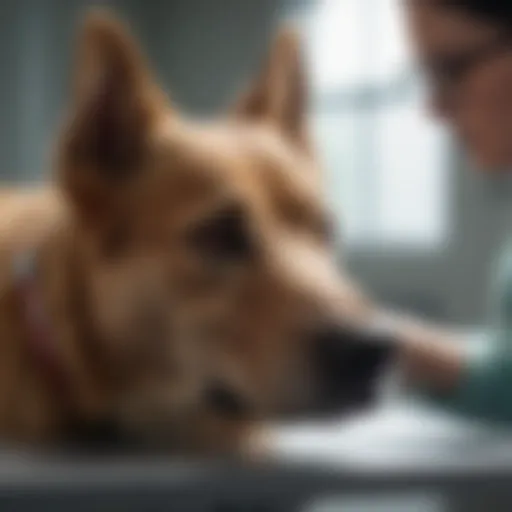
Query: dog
point(177, 279)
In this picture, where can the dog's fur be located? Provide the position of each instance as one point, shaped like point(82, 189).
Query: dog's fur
point(172, 255)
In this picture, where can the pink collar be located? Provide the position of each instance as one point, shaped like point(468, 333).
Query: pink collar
point(40, 337)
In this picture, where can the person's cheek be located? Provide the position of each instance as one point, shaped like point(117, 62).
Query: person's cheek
point(507, 114)
point(485, 119)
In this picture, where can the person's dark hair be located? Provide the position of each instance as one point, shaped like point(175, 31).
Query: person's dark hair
point(493, 11)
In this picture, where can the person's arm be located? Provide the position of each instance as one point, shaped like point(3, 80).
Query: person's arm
point(450, 375)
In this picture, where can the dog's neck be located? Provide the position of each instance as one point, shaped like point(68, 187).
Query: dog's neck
point(40, 337)
point(78, 340)
point(59, 286)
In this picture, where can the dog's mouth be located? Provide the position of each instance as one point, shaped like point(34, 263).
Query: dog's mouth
point(228, 402)
point(356, 395)
point(323, 403)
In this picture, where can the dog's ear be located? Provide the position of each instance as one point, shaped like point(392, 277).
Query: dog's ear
point(279, 95)
point(114, 106)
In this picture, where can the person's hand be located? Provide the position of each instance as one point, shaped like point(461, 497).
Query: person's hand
point(426, 355)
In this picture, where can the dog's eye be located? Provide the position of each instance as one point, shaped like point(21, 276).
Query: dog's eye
point(224, 236)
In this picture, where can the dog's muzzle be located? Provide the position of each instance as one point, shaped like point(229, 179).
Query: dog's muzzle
point(346, 365)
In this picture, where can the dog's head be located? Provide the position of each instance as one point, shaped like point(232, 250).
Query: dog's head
point(208, 247)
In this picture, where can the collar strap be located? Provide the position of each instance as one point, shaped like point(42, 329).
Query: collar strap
point(39, 334)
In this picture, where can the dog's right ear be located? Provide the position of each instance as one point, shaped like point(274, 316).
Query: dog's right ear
point(114, 106)
point(279, 95)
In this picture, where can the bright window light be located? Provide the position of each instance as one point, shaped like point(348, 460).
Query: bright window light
point(387, 162)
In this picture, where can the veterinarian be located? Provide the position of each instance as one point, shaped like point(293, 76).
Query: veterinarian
point(465, 49)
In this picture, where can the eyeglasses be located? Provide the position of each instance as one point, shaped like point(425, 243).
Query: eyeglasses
point(446, 73)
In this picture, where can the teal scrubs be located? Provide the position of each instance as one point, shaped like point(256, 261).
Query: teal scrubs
point(484, 391)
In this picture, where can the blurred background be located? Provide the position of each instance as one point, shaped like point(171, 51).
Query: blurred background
point(418, 230)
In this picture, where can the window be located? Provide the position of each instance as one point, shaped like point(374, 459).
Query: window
point(386, 162)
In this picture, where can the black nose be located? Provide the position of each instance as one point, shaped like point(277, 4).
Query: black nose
point(349, 361)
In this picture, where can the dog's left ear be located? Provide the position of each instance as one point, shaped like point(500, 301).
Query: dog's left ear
point(114, 99)
point(279, 96)
point(114, 108)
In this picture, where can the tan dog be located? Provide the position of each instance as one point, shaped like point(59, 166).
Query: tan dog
point(182, 281)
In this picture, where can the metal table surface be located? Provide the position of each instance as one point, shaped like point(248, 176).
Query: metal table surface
point(398, 453)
